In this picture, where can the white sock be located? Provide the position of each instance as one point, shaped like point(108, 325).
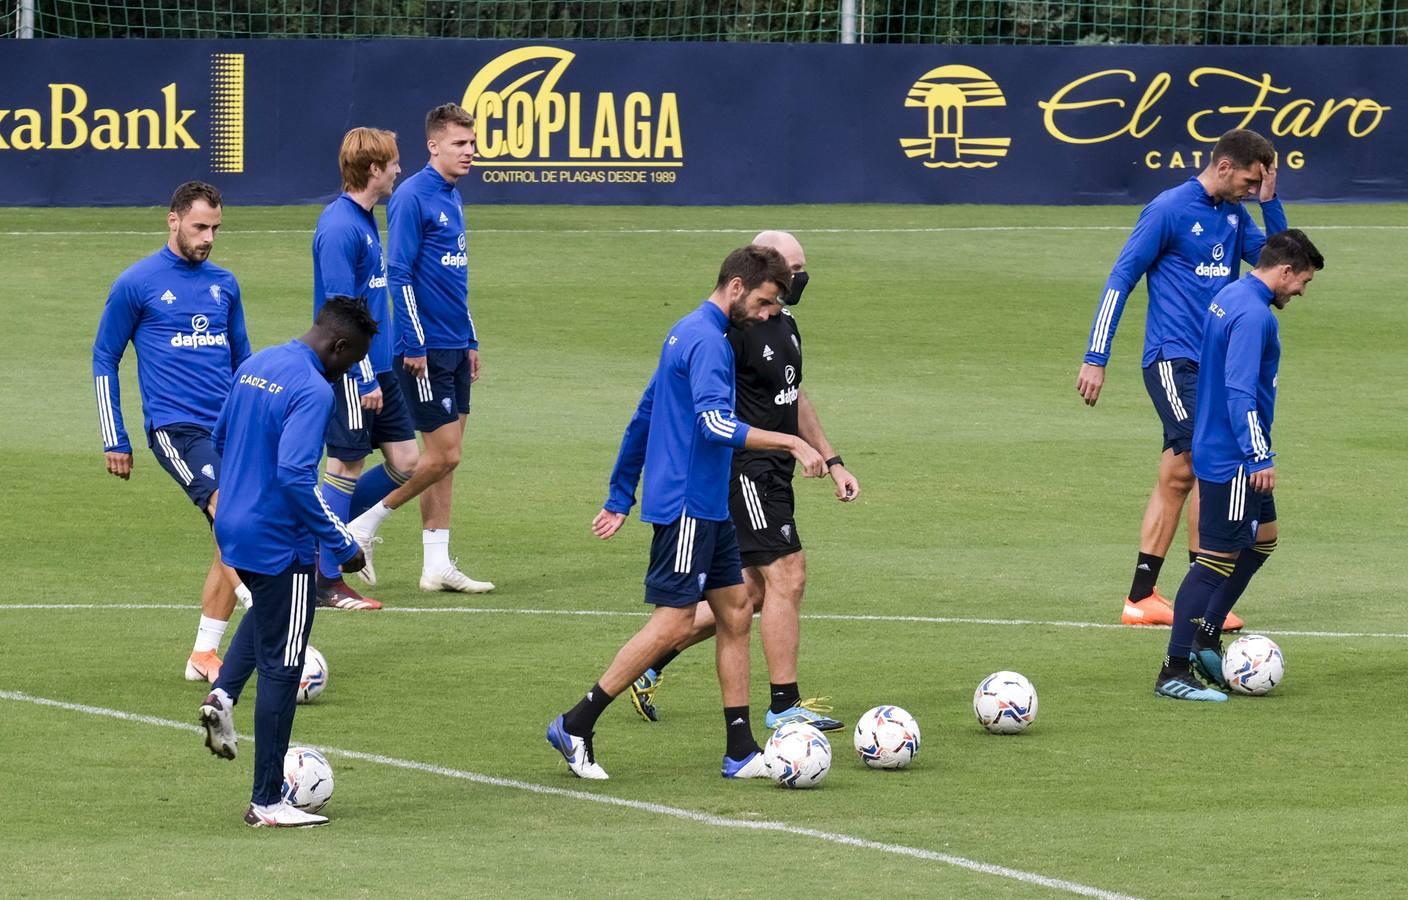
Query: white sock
point(209, 633)
point(243, 594)
point(436, 544)
point(371, 520)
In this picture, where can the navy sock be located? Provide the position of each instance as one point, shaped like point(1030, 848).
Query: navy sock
point(274, 706)
point(784, 697)
point(580, 720)
point(373, 487)
point(662, 662)
point(239, 659)
point(337, 493)
point(1231, 590)
point(1202, 581)
point(1146, 575)
point(740, 733)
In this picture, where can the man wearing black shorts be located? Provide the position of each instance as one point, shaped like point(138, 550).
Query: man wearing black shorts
point(768, 366)
point(682, 438)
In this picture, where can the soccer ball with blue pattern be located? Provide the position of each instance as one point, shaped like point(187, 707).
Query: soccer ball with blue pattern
point(1005, 703)
point(315, 675)
point(797, 756)
point(1253, 664)
point(887, 737)
point(307, 779)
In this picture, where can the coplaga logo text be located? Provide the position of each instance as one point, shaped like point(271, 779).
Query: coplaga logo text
point(523, 119)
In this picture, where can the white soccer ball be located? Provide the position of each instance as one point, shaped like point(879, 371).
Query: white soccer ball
point(1005, 703)
point(887, 737)
point(1253, 664)
point(307, 779)
point(797, 756)
point(315, 675)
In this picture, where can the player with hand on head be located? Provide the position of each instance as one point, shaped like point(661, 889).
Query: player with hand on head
point(183, 315)
point(369, 408)
point(768, 365)
point(437, 346)
point(271, 523)
point(1189, 242)
point(1233, 459)
point(683, 435)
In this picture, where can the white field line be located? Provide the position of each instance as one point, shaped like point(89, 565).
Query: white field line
point(675, 812)
point(815, 617)
point(918, 230)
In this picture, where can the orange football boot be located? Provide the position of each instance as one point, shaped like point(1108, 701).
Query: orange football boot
point(1233, 623)
point(1152, 610)
point(203, 666)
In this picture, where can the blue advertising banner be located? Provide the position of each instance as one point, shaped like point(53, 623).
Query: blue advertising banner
point(122, 122)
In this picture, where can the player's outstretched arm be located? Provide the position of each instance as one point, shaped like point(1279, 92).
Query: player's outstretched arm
point(808, 457)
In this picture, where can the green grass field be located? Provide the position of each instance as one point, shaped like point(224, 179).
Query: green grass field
point(942, 349)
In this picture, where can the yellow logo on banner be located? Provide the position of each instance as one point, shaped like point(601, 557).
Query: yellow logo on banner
point(523, 120)
point(69, 121)
point(946, 93)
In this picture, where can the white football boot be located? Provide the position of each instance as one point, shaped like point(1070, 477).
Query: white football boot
point(219, 722)
point(281, 815)
point(452, 579)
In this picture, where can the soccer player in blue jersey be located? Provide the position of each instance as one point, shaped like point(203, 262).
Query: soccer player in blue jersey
point(1189, 242)
point(683, 434)
point(183, 315)
point(270, 435)
point(1241, 353)
point(768, 365)
point(437, 348)
point(370, 410)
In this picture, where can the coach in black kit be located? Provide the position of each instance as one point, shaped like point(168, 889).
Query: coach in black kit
point(768, 364)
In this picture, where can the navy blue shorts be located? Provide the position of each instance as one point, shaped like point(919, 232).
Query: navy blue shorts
point(188, 455)
point(761, 505)
point(688, 557)
point(1229, 514)
point(353, 431)
point(442, 396)
point(1173, 386)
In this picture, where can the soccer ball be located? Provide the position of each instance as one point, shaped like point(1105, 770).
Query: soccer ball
point(887, 737)
point(307, 779)
point(797, 756)
point(315, 675)
point(1005, 703)
point(1253, 664)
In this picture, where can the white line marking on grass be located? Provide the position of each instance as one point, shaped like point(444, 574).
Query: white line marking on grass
point(676, 812)
point(937, 229)
point(815, 617)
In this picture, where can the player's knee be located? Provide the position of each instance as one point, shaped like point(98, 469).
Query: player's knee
point(1178, 479)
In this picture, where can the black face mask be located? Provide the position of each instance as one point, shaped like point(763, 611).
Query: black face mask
point(799, 281)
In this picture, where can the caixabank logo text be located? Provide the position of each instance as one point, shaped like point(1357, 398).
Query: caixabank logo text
point(179, 117)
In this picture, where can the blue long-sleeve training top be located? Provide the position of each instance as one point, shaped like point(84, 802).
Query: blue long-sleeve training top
point(348, 261)
point(429, 267)
point(1190, 246)
point(1237, 383)
point(270, 440)
point(684, 430)
point(186, 322)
